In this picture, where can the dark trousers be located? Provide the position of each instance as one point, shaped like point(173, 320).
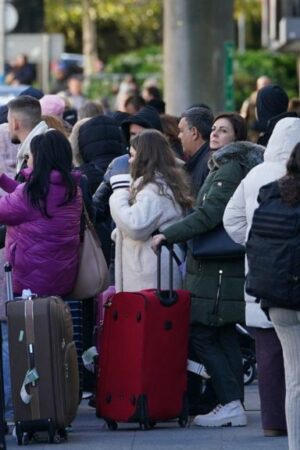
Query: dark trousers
point(83, 315)
point(88, 324)
point(271, 381)
point(219, 350)
point(76, 312)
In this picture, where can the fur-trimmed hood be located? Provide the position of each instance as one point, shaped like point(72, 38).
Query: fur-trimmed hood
point(245, 153)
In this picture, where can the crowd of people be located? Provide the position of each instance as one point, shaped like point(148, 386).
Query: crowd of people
point(147, 177)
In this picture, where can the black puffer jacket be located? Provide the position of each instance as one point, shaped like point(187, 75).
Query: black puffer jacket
point(99, 142)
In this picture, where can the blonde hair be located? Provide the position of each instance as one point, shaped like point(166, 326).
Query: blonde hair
point(73, 139)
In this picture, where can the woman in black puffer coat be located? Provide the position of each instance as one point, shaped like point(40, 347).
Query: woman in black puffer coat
point(95, 143)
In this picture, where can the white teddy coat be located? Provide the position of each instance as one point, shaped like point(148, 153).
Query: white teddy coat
point(135, 261)
point(240, 208)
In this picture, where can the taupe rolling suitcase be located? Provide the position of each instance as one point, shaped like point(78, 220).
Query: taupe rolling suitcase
point(44, 370)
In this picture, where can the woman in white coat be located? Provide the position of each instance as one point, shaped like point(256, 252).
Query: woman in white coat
point(159, 195)
point(237, 221)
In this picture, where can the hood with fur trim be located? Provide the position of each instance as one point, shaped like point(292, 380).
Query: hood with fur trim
point(247, 154)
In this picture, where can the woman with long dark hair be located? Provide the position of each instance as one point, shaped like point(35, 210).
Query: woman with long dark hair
point(43, 218)
point(158, 196)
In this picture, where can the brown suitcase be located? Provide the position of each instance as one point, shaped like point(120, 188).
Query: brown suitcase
point(44, 370)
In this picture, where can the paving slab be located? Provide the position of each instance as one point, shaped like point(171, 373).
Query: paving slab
point(90, 432)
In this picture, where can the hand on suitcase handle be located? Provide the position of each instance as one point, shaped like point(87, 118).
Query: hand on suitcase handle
point(157, 242)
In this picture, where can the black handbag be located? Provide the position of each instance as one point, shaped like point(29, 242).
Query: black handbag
point(215, 244)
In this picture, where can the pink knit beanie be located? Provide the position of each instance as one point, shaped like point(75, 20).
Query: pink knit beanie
point(52, 105)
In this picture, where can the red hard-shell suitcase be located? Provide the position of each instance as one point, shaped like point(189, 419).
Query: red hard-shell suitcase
point(43, 362)
point(143, 359)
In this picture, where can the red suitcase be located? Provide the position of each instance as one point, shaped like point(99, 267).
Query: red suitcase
point(143, 362)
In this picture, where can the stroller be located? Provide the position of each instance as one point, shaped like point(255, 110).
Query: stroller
point(247, 344)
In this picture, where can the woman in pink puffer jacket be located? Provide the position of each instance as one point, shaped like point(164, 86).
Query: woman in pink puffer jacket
point(43, 219)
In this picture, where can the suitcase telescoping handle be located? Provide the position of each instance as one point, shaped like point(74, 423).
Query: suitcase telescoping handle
point(8, 278)
point(167, 298)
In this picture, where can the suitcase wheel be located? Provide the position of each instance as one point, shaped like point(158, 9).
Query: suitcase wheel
point(63, 434)
point(182, 422)
point(54, 438)
point(148, 425)
point(112, 425)
point(23, 438)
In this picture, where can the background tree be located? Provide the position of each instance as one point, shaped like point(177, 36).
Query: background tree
point(248, 20)
point(120, 25)
point(89, 37)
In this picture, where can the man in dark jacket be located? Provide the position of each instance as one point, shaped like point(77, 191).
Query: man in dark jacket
point(194, 130)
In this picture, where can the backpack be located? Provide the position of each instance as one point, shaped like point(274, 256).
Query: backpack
point(273, 251)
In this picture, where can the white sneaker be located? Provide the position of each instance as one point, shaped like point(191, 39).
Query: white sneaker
point(232, 415)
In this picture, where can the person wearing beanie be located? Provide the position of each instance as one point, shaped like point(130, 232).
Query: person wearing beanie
point(147, 117)
point(52, 105)
point(70, 116)
point(271, 106)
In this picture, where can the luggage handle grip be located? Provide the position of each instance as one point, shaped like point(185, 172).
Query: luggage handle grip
point(170, 297)
point(9, 288)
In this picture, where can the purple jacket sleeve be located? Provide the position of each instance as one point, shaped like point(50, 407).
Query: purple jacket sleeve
point(14, 208)
point(7, 183)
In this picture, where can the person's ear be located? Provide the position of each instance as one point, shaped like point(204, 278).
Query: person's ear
point(195, 133)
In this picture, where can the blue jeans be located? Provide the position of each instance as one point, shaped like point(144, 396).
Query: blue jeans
point(9, 414)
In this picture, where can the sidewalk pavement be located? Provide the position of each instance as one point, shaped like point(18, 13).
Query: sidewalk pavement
point(89, 433)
